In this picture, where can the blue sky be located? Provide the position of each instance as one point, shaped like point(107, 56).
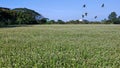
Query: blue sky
point(67, 9)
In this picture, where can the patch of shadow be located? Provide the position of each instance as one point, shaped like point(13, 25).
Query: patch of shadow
point(14, 26)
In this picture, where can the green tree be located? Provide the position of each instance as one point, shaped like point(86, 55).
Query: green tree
point(51, 22)
point(30, 15)
point(20, 16)
point(118, 19)
point(6, 16)
point(43, 21)
point(60, 22)
point(113, 17)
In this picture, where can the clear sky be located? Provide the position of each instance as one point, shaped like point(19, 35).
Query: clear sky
point(67, 9)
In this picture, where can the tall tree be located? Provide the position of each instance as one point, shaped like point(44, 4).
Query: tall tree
point(113, 17)
point(33, 13)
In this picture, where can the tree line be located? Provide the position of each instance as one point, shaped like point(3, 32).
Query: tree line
point(19, 16)
point(113, 18)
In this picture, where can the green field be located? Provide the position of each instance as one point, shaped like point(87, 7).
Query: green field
point(60, 46)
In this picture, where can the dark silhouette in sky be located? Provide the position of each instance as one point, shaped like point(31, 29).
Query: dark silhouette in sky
point(84, 6)
point(82, 16)
point(102, 5)
point(86, 14)
point(95, 17)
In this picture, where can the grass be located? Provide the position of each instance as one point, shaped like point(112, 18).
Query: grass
point(60, 46)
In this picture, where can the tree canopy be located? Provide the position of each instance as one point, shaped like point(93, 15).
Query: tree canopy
point(113, 18)
point(19, 16)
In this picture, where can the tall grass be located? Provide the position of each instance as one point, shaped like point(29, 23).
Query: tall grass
point(60, 46)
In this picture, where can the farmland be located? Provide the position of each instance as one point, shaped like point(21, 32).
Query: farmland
point(60, 46)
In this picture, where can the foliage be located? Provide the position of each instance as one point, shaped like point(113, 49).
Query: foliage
point(19, 16)
point(113, 18)
point(30, 12)
point(60, 22)
point(73, 22)
point(43, 21)
point(5, 17)
point(51, 22)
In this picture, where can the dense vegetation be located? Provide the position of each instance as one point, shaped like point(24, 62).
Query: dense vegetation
point(60, 46)
point(19, 16)
point(113, 18)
